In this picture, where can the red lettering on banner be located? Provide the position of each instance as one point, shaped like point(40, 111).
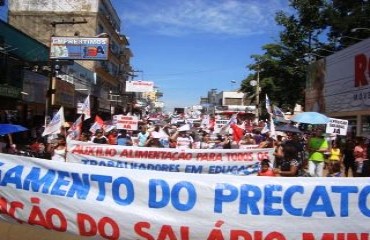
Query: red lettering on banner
point(209, 156)
point(336, 236)
point(139, 227)
point(106, 227)
point(362, 64)
point(257, 235)
point(9, 208)
point(240, 157)
point(166, 232)
point(86, 225)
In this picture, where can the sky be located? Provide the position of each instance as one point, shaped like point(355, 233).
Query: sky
point(188, 47)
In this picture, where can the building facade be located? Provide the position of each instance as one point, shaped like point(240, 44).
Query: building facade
point(85, 18)
point(338, 86)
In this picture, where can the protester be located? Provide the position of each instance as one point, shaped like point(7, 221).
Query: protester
point(85, 137)
point(154, 140)
point(335, 154)
point(266, 169)
point(317, 146)
point(349, 158)
point(334, 169)
point(58, 149)
point(360, 153)
point(142, 136)
point(206, 142)
point(99, 137)
point(183, 140)
point(112, 137)
point(123, 138)
point(247, 140)
point(289, 166)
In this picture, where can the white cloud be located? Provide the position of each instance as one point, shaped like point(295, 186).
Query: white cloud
point(181, 17)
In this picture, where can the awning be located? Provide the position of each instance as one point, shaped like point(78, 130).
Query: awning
point(19, 44)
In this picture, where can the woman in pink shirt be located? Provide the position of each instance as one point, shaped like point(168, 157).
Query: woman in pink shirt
point(360, 153)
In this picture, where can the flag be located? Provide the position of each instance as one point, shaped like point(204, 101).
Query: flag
point(278, 114)
point(85, 109)
point(205, 121)
point(98, 124)
point(272, 128)
point(268, 105)
point(55, 125)
point(233, 119)
point(74, 132)
point(238, 132)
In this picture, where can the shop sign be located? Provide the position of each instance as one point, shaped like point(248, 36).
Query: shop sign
point(10, 91)
point(79, 48)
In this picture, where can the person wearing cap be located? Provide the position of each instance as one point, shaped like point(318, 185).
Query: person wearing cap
point(154, 140)
point(184, 141)
point(99, 137)
point(59, 149)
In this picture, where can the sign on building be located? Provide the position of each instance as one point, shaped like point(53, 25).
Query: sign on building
point(79, 48)
point(139, 86)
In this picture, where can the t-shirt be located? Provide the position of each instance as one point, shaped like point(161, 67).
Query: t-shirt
point(101, 140)
point(317, 143)
point(184, 142)
point(286, 164)
point(142, 137)
point(268, 173)
point(122, 140)
point(334, 154)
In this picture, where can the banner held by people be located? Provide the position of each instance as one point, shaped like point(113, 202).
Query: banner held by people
point(108, 203)
point(201, 161)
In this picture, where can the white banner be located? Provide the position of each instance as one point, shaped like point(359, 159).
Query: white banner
point(139, 86)
point(125, 122)
point(109, 203)
point(201, 161)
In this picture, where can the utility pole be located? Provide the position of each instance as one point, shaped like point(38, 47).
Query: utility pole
point(52, 75)
point(258, 93)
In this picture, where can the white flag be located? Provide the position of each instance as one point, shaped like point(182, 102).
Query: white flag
point(54, 127)
point(85, 109)
point(272, 128)
point(74, 131)
point(268, 105)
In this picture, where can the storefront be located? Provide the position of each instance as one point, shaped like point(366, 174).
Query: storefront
point(339, 86)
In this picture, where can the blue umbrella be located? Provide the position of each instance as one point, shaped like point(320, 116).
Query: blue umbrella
point(287, 128)
point(11, 128)
point(310, 118)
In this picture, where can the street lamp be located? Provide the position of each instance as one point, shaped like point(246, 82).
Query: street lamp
point(256, 83)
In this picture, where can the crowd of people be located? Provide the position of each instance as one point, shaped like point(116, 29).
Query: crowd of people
point(295, 154)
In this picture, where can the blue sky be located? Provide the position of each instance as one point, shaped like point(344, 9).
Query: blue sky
point(188, 47)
